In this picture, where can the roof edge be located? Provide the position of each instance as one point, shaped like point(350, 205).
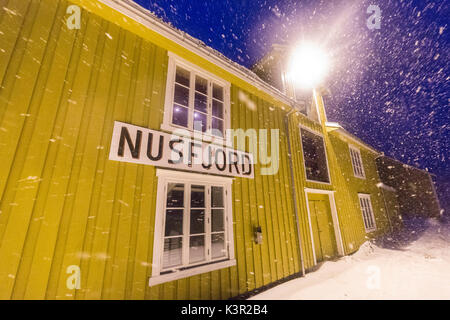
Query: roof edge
point(342, 130)
point(149, 20)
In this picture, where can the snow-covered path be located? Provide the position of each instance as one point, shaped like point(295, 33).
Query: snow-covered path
point(418, 270)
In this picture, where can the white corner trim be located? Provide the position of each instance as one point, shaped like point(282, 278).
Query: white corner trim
point(190, 272)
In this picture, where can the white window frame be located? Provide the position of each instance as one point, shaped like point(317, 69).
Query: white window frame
point(303, 154)
point(194, 70)
point(367, 212)
point(171, 176)
point(355, 156)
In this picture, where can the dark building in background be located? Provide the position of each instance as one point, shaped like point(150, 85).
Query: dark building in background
point(414, 187)
point(407, 191)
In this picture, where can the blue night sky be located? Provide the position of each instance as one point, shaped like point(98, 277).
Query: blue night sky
point(388, 86)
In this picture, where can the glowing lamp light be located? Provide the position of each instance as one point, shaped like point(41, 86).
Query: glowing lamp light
point(308, 65)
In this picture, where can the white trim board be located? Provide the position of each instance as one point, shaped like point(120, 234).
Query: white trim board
point(165, 176)
point(352, 147)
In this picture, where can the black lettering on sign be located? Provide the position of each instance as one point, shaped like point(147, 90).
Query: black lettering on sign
point(224, 160)
point(249, 172)
point(180, 154)
point(161, 149)
point(234, 160)
point(191, 153)
point(208, 166)
point(134, 149)
point(149, 147)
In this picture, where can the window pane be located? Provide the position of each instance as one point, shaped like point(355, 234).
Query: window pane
point(174, 222)
point(201, 102)
point(369, 213)
point(218, 245)
point(172, 252)
point(180, 116)
point(217, 109)
point(200, 121)
point(201, 85)
point(217, 92)
point(197, 221)
point(217, 127)
point(175, 195)
point(196, 249)
point(217, 197)
point(314, 157)
point(181, 95)
point(197, 196)
point(182, 76)
point(217, 220)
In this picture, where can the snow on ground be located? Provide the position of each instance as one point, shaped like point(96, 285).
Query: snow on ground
point(416, 265)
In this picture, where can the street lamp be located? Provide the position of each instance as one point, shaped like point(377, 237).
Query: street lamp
point(308, 65)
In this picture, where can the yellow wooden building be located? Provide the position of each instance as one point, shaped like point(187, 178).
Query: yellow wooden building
point(91, 208)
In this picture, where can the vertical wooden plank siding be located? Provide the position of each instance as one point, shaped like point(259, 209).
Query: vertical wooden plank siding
point(63, 203)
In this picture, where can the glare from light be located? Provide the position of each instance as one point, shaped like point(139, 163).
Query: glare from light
point(308, 66)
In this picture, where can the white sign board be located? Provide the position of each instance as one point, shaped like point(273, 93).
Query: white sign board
point(144, 146)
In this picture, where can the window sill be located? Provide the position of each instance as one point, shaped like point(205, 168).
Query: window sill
point(191, 272)
point(321, 182)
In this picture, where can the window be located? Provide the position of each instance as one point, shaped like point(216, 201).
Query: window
point(193, 231)
point(314, 156)
point(367, 212)
point(358, 168)
point(195, 100)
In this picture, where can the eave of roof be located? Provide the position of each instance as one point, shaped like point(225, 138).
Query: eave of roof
point(407, 165)
point(338, 128)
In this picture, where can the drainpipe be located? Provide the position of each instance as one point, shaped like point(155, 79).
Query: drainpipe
point(293, 189)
